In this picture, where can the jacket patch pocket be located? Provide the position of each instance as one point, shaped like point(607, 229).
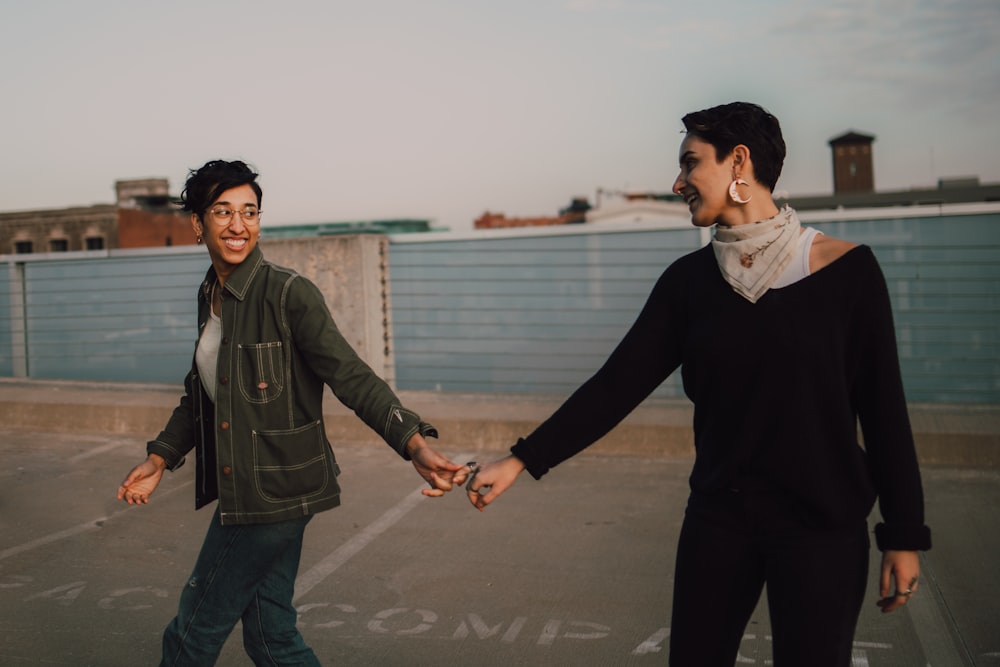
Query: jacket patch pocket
point(293, 463)
point(261, 370)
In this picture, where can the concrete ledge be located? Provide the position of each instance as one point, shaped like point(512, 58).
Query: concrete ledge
point(953, 435)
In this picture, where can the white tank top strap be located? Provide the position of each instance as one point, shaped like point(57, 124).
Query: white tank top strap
point(798, 268)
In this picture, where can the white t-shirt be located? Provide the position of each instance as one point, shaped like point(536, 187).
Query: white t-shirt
point(206, 357)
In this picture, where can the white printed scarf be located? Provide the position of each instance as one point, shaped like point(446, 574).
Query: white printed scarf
point(751, 257)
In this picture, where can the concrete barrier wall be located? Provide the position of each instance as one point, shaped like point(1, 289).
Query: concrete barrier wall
point(130, 315)
point(954, 435)
point(353, 274)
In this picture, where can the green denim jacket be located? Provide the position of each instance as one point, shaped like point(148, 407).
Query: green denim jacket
point(262, 448)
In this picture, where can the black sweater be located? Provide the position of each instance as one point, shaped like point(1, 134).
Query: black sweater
point(778, 389)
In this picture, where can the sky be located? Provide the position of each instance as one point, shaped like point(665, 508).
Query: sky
point(446, 109)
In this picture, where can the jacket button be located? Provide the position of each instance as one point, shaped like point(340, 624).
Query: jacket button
point(262, 385)
point(223, 380)
point(225, 340)
point(224, 426)
point(226, 470)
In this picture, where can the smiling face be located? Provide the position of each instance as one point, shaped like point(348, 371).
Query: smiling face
point(230, 243)
point(704, 182)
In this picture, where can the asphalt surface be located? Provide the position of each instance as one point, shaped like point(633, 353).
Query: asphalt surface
point(573, 570)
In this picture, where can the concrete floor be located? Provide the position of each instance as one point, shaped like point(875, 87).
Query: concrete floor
point(573, 570)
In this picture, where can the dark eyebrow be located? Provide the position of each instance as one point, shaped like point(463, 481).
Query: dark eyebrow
point(686, 153)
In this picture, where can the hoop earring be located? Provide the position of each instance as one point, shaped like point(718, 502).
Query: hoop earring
point(734, 195)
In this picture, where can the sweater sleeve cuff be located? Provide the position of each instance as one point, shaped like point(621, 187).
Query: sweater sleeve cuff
point(902, 537)
point(533, 463)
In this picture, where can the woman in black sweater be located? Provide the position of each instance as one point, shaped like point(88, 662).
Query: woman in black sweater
point(785, 342)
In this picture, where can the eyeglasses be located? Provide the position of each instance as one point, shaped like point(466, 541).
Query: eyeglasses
point(223, 215)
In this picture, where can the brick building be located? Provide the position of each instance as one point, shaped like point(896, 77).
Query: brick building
point(143, 217)
point(853, 170)
point(148, 217)
point(59, 230)
point(575, 213)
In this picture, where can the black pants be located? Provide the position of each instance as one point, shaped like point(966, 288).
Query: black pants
point(734, 543)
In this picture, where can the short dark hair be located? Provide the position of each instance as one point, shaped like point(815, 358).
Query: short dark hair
point(729, 125)
point(204, 185)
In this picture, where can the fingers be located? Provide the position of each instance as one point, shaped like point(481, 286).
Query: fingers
point(133, 497)
point(443, 476)
point(487, 493)
point(894, 601)
point(487, 483)
point(478, 496)
point(885, 579)
point(440, 484)
point(123, 490)
point(442, 479)
point(482, 487)
point(140, 483)
point(437, 470)
point(461, 475)
point(443, 483)
point(903, 568)
point(483, 496)
point(474, 469)
point(473, 492)
point(900, 597)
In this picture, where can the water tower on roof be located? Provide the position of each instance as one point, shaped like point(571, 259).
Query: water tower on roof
point(852, 163)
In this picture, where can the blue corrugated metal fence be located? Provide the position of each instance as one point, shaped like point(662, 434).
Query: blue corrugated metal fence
point(532, 312)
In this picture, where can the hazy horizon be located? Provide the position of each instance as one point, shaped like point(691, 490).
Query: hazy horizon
point(445, 109)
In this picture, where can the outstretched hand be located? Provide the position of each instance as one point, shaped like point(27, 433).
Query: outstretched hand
point(902, 569)
point(437, 470)
point(142, 480)
point(489, 481)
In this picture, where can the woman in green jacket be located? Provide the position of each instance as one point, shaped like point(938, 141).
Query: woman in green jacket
point(252, 412)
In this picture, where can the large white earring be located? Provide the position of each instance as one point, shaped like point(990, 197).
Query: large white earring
point(734, 195)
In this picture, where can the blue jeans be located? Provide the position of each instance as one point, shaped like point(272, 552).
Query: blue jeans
point(243, 572)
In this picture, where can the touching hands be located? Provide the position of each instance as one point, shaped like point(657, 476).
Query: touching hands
point(142, 481)
point(489, 481)
point(438, 471)
point(484, 484)
point(901, 568)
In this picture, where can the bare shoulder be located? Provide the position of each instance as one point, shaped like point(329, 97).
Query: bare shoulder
point(827, 250)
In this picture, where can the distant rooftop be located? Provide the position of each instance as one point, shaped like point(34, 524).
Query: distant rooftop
point(949, 191)
point(852, 137)
point(393, 226)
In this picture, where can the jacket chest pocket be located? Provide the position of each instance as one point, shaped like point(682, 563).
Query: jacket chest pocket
point(261, 370)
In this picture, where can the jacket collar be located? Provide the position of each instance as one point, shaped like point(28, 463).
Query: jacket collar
point(239, 281)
